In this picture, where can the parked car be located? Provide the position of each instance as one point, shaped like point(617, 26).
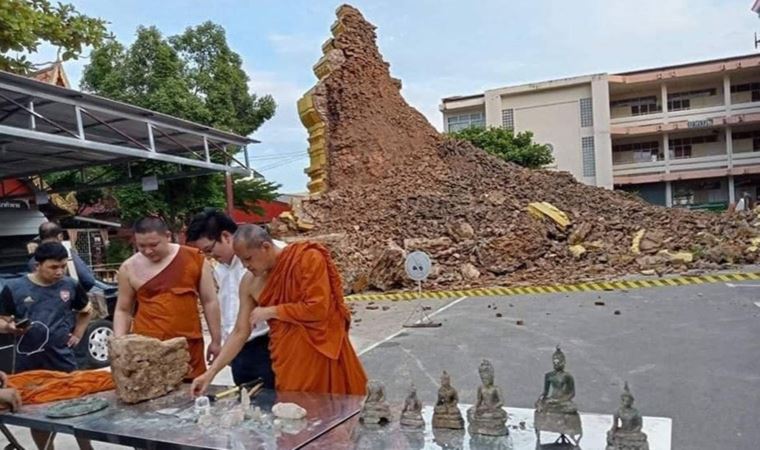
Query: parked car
point(92, 350)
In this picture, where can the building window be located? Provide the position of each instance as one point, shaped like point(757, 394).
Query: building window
point(462, 121)
point(639, 105)
point(754, 135)
point(587, 113)
point(589, 159)
point(679, 101)
point(642, 151)
point(681, 148)
point(508, 119)
point(754, 88)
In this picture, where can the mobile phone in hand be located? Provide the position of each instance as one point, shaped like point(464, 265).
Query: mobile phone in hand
point(22, 324)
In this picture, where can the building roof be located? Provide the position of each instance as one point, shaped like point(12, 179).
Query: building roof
point(53, 74)
point(465, 97)
point(691, 64)
point(756, 6)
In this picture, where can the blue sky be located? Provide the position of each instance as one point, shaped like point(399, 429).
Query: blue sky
point(439, 47)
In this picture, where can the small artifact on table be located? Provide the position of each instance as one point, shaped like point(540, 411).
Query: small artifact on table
point(446, 413)
point(232, 418)
point(555, 410)
point(76, 407)
point(144, 368)
point(375, 409)
point(411, 415)
point(626, 433)
point(288, 411)
point(488, 416)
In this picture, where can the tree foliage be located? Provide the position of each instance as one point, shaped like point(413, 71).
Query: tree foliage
point(25, 24)
point(517, 148)
point(248, 190)
point(194, 76)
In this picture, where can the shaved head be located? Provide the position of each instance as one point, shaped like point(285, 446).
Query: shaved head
point(254, 246)
point(251, 236)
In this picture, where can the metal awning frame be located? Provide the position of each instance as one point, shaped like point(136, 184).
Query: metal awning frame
point(214, 152)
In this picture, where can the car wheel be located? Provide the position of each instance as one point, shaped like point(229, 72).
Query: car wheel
point(92, 351)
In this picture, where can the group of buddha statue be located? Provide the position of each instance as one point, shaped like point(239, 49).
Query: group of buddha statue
point(555, 410)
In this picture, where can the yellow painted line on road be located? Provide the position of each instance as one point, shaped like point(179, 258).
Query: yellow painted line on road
point(507, 291)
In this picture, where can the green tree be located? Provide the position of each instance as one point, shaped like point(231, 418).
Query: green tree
point(195, 76)
point(517, 148)
point(25, 24)
point(248, 190)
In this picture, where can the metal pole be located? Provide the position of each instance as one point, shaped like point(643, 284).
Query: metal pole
point(230, 193)
point(80, 126)
point(151, 141)
point(32, 119)
point(11, 438)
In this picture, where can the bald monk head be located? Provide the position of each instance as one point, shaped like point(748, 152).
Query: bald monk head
point(254, 246)
point(50, 232)
point(152, 238)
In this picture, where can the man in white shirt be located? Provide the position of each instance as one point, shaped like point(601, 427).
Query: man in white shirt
point(211, 231)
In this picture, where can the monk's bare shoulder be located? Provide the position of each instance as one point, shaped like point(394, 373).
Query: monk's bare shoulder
point(251, 285)
point(127, 267)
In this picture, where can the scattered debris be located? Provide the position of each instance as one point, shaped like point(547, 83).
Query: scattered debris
point(520, 322)
point(386, 308)
point(483, 221)
point(617, 312)
point(599, 303)
point(372, 307)
point(498, 314)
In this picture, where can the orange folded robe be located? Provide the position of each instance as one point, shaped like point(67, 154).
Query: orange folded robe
point(42, 386)
point(309, 341)
point(167, 305)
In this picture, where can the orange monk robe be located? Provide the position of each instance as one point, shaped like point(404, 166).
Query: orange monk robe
point(42, 386)
point(309, 342)
point(167, 305)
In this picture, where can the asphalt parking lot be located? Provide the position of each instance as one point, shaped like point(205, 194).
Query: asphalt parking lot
point(690, 353)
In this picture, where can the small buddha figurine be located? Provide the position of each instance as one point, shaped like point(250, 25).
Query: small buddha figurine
point(559, 388)
point(488, 416)
point(555, 409)
point(446, 413)
point(375, 409)
point(411, 415)
point(626, 433)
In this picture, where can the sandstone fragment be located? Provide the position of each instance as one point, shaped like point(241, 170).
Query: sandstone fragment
point(144, 368)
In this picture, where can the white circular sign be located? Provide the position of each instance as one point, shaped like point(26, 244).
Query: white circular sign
point(418, 265)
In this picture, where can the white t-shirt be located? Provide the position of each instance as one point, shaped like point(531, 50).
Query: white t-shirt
point(228, 278)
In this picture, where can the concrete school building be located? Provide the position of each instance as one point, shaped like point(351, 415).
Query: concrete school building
point(683, 135)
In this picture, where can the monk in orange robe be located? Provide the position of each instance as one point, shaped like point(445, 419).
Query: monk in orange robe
point(163, 282)
point(297, 290)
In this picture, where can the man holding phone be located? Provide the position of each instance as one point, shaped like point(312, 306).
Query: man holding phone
point(51, 310)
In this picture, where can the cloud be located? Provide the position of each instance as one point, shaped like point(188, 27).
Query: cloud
point(293, 44)
point(282, 154)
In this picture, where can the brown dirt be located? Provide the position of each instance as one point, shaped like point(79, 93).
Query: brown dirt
point(392, 178)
